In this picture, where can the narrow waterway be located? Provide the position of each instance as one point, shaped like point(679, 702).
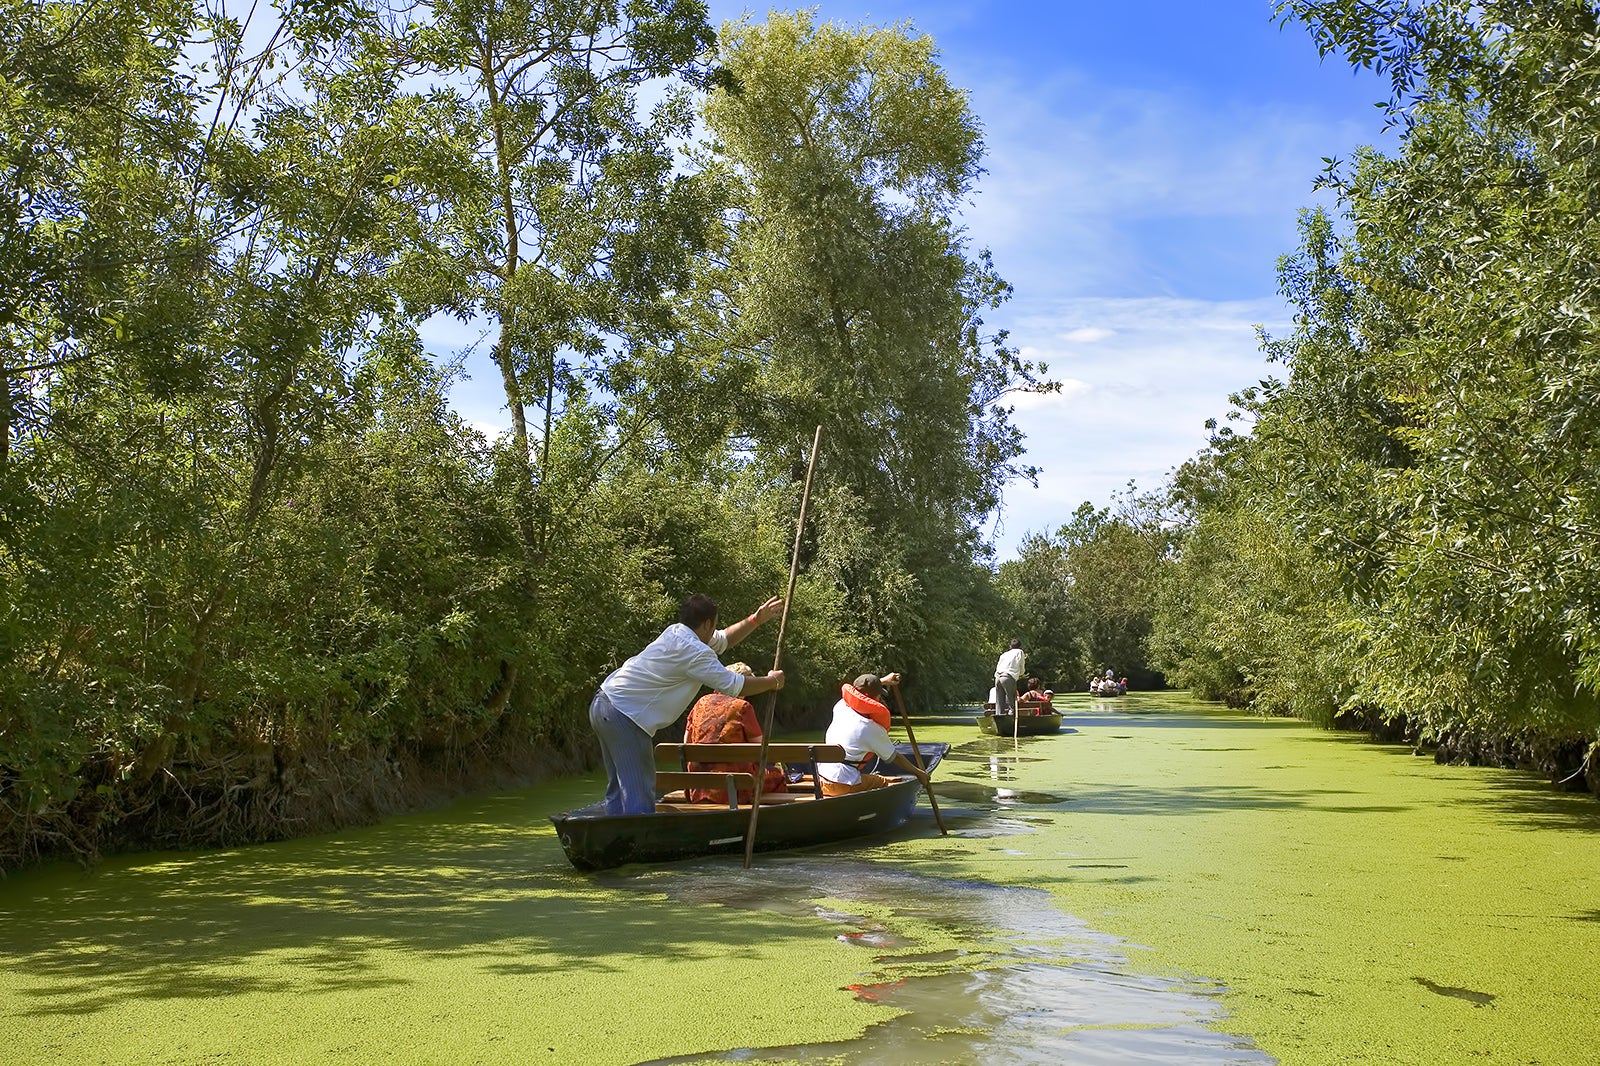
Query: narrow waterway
point(980, 973)
point(1165, 882)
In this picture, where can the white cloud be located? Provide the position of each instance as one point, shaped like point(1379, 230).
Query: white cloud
point(488, 429)
point(1134, 404)
point(1087, 335)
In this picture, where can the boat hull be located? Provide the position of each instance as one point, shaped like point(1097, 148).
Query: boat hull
point(594, 840)
point(1029, 725)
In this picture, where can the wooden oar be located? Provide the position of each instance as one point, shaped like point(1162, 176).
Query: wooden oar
point(916, 756)
point(777, 654)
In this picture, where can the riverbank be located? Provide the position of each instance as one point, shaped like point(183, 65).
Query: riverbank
point(1324, 899)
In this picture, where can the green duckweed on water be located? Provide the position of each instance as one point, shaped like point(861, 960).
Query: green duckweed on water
point(1163, 872)
point(1358, 903)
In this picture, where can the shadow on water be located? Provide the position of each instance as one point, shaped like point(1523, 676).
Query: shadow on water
point(1523, 795)
point(484, 883)
point(982, 973)
point(1477, 999)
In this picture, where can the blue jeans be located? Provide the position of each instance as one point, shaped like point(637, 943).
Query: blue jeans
point(629, 755)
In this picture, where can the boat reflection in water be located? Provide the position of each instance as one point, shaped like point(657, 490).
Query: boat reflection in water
point(1026, 983)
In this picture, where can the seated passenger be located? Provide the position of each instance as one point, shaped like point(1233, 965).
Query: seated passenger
point(861, 726)
point(719, 719)
point(1036, 700)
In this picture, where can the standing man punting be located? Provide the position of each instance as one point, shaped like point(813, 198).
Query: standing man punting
point(650, 690)
point(1012, 665)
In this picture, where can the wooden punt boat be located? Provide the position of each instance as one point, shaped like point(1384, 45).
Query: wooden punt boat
point(1030, 725)
point(594, 840)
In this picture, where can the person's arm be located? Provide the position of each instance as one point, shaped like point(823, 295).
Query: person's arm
point(756, 685)
point(903, 761)
point(706, 668)
point(745, 626)
point(881, 744)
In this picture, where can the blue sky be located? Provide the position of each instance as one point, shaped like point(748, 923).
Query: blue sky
point(1146, 163)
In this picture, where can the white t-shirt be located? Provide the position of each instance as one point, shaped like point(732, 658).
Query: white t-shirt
point(859, 736)
point(655, 686)
point(1012, 662)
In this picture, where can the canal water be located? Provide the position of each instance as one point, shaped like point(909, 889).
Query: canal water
point(1164, 882)
point(1024, 983)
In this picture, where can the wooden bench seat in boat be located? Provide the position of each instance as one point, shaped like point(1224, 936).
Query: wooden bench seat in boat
point(684, 754)
point(671, 780)
point(673, 785)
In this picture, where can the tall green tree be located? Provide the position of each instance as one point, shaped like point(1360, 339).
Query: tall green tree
point(849, 298)
point(1425, 463)
point(1082, 598)
point(555, 203)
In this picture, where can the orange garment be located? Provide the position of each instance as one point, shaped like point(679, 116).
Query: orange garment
point(868, 781)
point(719, 719)
point(865, 705)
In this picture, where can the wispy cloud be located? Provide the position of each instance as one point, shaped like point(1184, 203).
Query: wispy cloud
point(1142, 230)
point(1134, 402)
point(1093, 189)
point(1087, 335)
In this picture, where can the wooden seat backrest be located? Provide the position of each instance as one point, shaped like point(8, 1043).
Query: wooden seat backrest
point(683, 754)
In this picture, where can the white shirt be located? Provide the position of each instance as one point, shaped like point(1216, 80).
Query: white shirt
point(859, 736)
point(1012, 662)
point(655, 686)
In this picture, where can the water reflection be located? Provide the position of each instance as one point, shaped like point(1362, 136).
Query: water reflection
point(1023, 983)
point(973, 792)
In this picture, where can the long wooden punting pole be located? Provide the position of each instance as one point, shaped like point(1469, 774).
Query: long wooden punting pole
point(916, 756)
point(777, 654)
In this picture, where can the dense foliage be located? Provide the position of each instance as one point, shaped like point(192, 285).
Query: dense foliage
point(1411, 527)
point(256, 575)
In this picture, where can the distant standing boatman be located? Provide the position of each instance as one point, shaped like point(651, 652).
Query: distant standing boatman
point(650, 690)
point(1012, 665)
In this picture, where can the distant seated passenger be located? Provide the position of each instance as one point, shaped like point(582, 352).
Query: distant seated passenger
point(719, 719)
point(861, 726)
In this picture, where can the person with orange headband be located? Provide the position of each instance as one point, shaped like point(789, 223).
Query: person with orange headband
point(861, 726)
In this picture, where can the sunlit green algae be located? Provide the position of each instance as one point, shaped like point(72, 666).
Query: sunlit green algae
point(1356, 903)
